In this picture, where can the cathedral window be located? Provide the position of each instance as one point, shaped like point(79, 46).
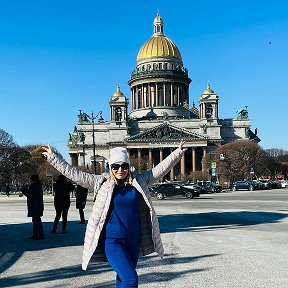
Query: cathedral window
point(139, 99)
point(208, 111)
point(118, 114)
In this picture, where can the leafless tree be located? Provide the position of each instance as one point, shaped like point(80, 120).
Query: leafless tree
point(276, 152)
point(240, 158)
point(6, 140)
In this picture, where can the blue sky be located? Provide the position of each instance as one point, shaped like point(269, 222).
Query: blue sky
point(57, 57)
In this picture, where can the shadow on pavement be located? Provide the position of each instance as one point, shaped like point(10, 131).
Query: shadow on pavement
point(14, 240)
point(216, 220)
point(96, 269)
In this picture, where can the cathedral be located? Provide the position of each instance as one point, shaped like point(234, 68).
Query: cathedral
point(160, 116)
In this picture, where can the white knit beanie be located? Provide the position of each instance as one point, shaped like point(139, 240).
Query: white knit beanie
point(118, 154)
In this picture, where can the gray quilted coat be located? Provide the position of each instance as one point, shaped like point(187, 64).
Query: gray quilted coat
point(103, 188)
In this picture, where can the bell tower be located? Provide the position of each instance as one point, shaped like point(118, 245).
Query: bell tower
point(118, 108)
point(208, 102)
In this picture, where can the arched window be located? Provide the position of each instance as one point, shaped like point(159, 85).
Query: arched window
point(118, 114)
point(208, 111)
point(139, 98)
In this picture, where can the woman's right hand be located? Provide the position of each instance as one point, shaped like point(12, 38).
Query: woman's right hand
point(48, 151)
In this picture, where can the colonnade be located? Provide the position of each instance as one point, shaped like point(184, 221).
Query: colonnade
point(159, 94)
point(190, 162)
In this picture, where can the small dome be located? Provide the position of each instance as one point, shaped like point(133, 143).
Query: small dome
point(118, 92)
point(158, 19)
point(208, 90)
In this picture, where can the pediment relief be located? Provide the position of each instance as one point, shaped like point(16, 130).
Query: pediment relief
point(165, 132)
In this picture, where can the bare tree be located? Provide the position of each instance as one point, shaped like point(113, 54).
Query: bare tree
point(276, 152)
point(240, 159)
point(6, 140)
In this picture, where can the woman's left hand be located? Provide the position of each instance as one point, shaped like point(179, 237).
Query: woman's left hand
point(181, 145)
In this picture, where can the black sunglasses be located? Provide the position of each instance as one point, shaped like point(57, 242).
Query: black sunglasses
point(124, 166)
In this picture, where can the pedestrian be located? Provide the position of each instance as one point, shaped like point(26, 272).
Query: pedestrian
point(107, 168)
point(123, 223)
point(35, 204)
point(81, 197)
point(62, 189)
point(7, 192)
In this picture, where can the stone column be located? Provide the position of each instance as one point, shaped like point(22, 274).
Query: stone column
point(182, 166)
point(135, 98)
point(143, 96)
point(149, 94)
point(204, 155)
point(171, 95)
point(172, 172)
point(161, 154)
point(193, 160)
point(150, 158)
point(152, 104)
point(164, 94)
point(156, 94)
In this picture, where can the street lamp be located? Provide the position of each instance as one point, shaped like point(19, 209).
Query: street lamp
point(82, 139)
point(92, 117)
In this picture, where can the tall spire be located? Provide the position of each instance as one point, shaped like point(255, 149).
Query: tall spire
point(158, 25)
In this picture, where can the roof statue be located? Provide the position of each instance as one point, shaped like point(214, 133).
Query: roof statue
point(83, 117)
point(243, 114)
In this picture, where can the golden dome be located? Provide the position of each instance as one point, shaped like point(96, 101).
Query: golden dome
point(208, 90)
point(158, 46)
point(118, 92)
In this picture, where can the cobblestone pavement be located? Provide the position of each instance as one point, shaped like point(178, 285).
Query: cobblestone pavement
point(234, 239)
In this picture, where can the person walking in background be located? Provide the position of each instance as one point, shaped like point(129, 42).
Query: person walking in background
point(35, 204)
point(81, 197)
point(62, 189)
point(123, 223)
point(7, 190)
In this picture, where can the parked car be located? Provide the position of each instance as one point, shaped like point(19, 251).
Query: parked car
point(284, 183)
point(267, 183)
point(194, 186)
point(210, 187)
point(259, 185)
point(243, 185)
point(275, 184)
point(161, 191)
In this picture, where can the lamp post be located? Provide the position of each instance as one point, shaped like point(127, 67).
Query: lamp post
point(93, 137)
point(82, 139)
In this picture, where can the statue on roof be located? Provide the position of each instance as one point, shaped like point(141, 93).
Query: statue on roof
point(83, 117)
point(243, 114)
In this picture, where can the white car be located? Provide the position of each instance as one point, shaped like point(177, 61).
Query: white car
point(284, 183)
